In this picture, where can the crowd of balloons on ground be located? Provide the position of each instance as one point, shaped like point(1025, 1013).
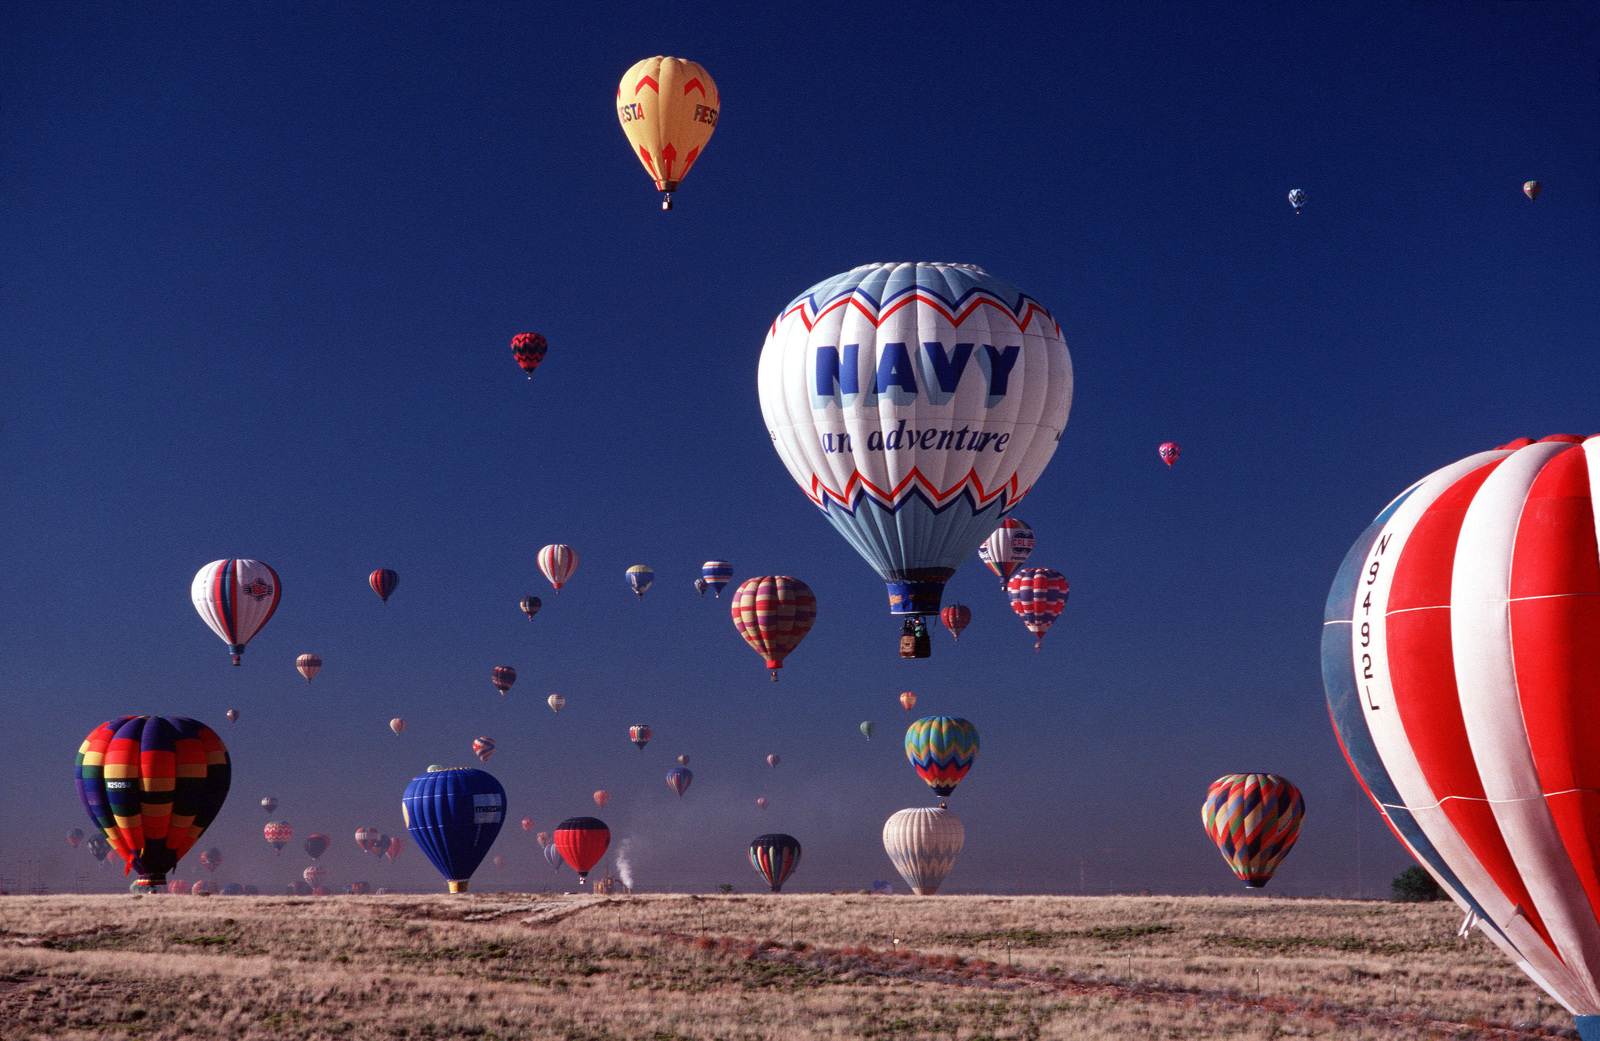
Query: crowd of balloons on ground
point(915, 405)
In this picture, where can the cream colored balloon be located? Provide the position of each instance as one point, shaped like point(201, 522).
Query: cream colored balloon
point(555, 701)
point(923, 844)
point(668, 108)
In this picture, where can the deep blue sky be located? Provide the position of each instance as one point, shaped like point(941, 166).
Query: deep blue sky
point(260, 263)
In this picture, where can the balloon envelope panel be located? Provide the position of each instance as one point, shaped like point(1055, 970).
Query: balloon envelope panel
point(454, 816)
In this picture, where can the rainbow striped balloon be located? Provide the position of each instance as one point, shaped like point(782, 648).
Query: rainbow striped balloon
point(942, 749)
point(773, 613)
point(717, 574)
point(1254, 819)
point(775, 856)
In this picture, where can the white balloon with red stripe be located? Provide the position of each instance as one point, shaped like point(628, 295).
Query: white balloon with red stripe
point(235, 598)
point(558, 562)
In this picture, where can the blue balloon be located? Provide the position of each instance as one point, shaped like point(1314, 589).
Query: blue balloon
point(454, 816)
point(552, 856)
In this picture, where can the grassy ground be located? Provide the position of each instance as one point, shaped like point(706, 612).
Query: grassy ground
point(665, 968)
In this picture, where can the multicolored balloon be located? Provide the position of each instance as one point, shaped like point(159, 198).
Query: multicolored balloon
point(236, 598)
point(366, 838)
point(1007, 548)
point(232, 714)
point(761, 803)
point(210, 859)
point(581, 842)
point(530, 606)
point(503, 677)
point(908, 701)
point(683, 760)
point(601, 798)
point(1297, 199)
point(454, 816)
point(942, 749)
point(772, 759)
point(679, 779)
point(359, 888)
point(203, 888)
point(397, 724)
point(773, 613)
point(1532, 189)
point(668, 109)
point(923, 844)
point(483, 747)
point(543, 838)
point(1169, 452)
point(956, 617)
point(1038, 596)
point(868, 728)
point(775, 856)
point(152, 785)
point(74, 836)
point(716, 574)
point(700, 586)
point(529, 349)
point(1461, 657)
point(278, 834)
point(639, 734)
point(309, 665)
point(383, 582)
point(639, 578)
point(556, 702)
point(558, 562)
point(315, 846)
point(1254, 819)
point(915, 405)
point(269, 803)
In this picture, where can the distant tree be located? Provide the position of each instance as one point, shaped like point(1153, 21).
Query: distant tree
point(725, 888)
point(1415, 886)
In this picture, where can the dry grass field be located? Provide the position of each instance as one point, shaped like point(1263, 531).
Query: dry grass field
point(665, 968)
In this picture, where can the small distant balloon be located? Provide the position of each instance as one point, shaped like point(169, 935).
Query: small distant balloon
point(908, 701)
point(956, 617)
point(601, 798)
point(679, 779)
point(558, 562)
point(74, 836)
point(397, 724)
point(530, 606)
point(529, 349)
point(396, 847)
point(366, 837)
point(309, 665)
point(556, 702)
point(360, 889)
point(1532, 189)
point(1297, 199)
point(1169, 452)
point(773, 760)
point(277, 834)
point(1007, 548)
point(315, 846)
point(700, 586)
point(716, 574)
point(528, 825)
point(383, 582)
point(502, 678)
point(211, 858)
point(233, 715)
point(761, 803)
point(552, 855)
point(483, 747)
point(639, 578)
point(543, 838)
point(640, 735)
point(269, 803)
point(499, 861)
point(683, 760)
point(775, 857)
point(868, 728)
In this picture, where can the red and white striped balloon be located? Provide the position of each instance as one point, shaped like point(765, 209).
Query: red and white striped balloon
point(1461, 657)
point(558, 562)
point(235, 598)
point(773, 613)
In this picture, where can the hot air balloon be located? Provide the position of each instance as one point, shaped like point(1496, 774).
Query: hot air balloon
point(380, 846)
point(775, 857)
point(923, 844)
point(668, 108)
point(1532, 189)
point(529, 350)
point(397, 724)
point(359, 888)
point(1254, 819)
point(683, 760)
point(942, 749)
point(1007, 548)
point(679, 779)
point(454, 817)
point(1168, 452)
point(232, 714)
point(366, 838)
point(203, 888)
point(483, 747)
point(98, 847)
point(956, 617)
point(558, 562)
point(761, 803)
point(552, 855)
point(717, 574)
point(601, 798)
point(315, 874)
point(556, 702)
point(278, 834)
point(503, 677)
point(915, 405)
point(582, 841)
point(868, 728)
point(211, 858)
point(177, 887)
point(315, 846)
point(383, 582)
point(1460, 654)
point(309, 665)
point(700, 586)
point(152, 785)
point(908, 701)
point(639, 578)
point(235, 598)
point(639, 734)
point(543, 838)
point(1297, 199)
point(269, 803)
point(74, 836)
point(773, 760)
point(396, 846)
point(1038, 596)
point(499, 860)
point(773, 613)
point(530, 606)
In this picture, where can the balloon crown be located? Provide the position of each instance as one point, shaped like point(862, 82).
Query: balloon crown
point(975, 269)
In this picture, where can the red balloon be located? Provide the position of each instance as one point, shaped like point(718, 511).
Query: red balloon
point(582, 841)
point(956, 617)
point(383, 582)
point(529, 350)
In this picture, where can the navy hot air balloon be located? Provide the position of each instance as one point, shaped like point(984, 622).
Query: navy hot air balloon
point(454, 816)
point(775, 856)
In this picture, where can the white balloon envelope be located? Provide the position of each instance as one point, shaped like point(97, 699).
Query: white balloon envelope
point(923, 843)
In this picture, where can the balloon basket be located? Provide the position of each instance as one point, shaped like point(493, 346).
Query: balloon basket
point(457, 885)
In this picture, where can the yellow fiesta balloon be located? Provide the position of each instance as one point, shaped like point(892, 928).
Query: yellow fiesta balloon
point(668, 108)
